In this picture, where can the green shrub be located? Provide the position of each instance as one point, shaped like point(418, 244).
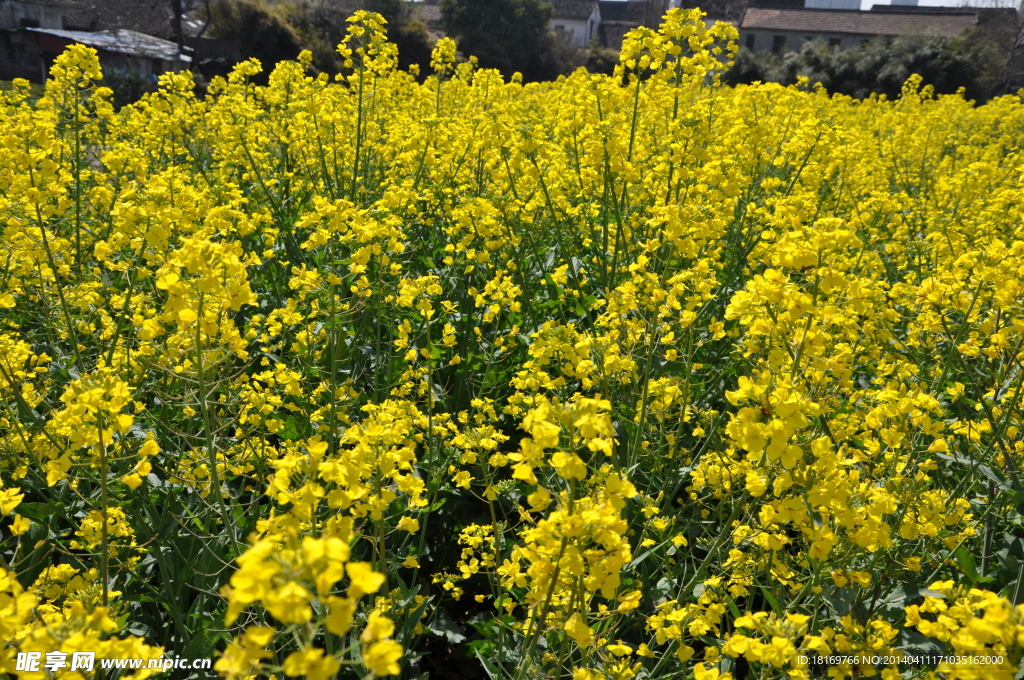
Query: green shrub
point(882, 65)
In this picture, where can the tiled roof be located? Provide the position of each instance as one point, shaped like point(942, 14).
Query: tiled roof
point(948, 24)
point(573, 9)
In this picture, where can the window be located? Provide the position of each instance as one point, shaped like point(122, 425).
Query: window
point(835, 42)
point(808, 38)
point(26, 22)
point(751, 39)
point(778, 43)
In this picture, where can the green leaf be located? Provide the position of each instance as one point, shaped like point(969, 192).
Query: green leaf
point(966, 561)
point(202, 644)
point(41, 512)
point(414, 617)
point(442, 625)
point(290, 430)
point(771, 600)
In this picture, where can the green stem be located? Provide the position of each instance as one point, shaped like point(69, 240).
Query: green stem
point(211, 450)
point(104, 534)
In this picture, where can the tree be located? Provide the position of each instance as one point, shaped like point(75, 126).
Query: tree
point(392, 10)
point(509, 35)
point(260, 34)
point(413, 42)
point(320, 26)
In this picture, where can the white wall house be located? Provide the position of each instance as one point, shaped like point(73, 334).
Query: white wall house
point(576, 20)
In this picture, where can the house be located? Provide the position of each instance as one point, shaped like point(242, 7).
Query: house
point(30, 52)
point(780, 29)
point(33, 33)
point(576, 20)
point(15, 15)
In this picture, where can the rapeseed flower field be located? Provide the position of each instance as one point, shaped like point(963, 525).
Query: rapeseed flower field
point(606, 378)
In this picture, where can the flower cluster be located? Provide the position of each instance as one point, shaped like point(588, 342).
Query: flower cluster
point(627, 376)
